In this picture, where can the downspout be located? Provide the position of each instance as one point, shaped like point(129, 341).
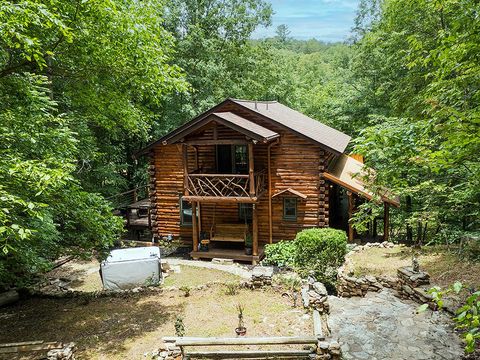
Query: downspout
point(270, 221)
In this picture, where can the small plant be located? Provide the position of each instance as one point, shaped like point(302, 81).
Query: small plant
point(467, 318)
point(179, 326)
point(152, 280)
point(293, 286)
point(186, 290)
point(231, 288)
point(241, 330)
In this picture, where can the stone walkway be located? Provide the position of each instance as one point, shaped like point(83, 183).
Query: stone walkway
point(380, 326)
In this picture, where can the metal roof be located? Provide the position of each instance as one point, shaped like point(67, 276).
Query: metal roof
point(333, 140)
point(298, 122)
point(349, 173)
point(228, 119)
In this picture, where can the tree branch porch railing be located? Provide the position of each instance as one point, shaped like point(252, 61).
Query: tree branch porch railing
point(225, 185)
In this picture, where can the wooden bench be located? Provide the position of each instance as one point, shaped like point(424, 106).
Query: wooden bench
point(229, 232)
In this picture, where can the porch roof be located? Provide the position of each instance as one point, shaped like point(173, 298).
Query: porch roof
point(349, 173)
point(228, 119)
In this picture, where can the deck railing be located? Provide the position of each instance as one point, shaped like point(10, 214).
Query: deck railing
point(225, 185)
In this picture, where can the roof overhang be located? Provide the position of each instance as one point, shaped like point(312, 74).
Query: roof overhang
point(230, 120)
point(349, 173)
point(290, 192)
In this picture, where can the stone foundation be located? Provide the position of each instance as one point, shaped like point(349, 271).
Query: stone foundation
point(328, 350)
point(65, 353)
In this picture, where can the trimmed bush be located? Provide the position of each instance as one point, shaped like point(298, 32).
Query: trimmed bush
point(320, 251)
point(316, 251)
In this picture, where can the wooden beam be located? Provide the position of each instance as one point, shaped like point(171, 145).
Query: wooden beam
point(250, 354)
point(269, 170)
point(220, 199)
point(185, 169)
point(251, 171)
point(386, 221)
point(217, 142)
point(351, 233)
point(194, 226)
point(212, 341)
point(255, 230)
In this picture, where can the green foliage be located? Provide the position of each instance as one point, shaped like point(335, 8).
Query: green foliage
point(186, 290)
point(231, 288)
point(467, 318)
point(179, 326)
point(280, 253)
point(313, 251)
point(320, 252)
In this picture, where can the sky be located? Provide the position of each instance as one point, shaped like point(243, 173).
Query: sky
point(326, 20)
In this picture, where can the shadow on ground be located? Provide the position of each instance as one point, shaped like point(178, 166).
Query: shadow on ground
point(101, 323)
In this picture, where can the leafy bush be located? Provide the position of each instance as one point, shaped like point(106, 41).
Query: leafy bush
point(320, 251)
point(316, 251)
point(467, 317)
point(280, 254)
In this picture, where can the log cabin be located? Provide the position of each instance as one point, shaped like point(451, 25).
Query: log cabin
point(253, 172)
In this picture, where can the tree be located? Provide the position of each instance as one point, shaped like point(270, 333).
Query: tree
point(282, 33)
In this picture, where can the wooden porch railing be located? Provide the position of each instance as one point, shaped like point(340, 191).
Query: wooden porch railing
point(225, 185)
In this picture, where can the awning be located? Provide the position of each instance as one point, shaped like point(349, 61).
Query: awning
point(349, 173)
point(292, 192)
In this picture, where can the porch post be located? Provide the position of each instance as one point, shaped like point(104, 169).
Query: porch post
point(185, 170)
point(251, 167)
point(254, 230)
point(386, 221)
point(351, 233)
point(194, 226)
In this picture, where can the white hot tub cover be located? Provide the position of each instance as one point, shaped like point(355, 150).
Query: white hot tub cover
point(132, 267)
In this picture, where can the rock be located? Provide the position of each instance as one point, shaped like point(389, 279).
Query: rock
point(222, 261)
point(320, 289)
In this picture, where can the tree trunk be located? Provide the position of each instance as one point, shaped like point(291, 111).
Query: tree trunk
point(408, 205)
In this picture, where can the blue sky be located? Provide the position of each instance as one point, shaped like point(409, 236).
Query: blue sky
point(327, 20)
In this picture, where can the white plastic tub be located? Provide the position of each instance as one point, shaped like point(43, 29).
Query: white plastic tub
point(133, 267)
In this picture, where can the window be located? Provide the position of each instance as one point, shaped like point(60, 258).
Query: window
point(232, 159)
point(245, 212)
point(290, 208)
point(241, 159)
point(186, 212)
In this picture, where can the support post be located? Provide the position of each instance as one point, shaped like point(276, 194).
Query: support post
point(386, 221)
point(251, 167)
point(269, 169)
point(254, 230)
point(351, 233)
point(194, 226)
point(185, 170)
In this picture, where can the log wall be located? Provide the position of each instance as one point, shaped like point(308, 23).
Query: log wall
point(296, 163)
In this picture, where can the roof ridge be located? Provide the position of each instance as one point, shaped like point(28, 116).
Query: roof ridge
point(255, 101)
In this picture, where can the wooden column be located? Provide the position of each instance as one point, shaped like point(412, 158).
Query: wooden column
point(351, 233)
point(185, 170)
point(194, 226)
point(251, 167)
point(386, 221)
point(269, 170)
point(254, 230)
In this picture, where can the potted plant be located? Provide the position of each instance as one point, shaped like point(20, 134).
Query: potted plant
point(241, 330)
point(248, 244)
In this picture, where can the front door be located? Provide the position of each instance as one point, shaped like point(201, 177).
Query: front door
point(224, 159)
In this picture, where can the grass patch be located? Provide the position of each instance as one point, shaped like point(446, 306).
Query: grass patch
point(444, 266)
point(193, 276)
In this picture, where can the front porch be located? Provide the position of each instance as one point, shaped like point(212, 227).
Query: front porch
point(216, 251)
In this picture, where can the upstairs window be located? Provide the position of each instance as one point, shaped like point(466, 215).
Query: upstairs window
point(290, 208)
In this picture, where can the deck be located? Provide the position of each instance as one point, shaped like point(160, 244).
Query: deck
point(216, 251)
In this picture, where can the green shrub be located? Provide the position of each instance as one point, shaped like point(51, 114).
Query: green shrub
point(280, 254)
point(316, 251)
point(320, 251)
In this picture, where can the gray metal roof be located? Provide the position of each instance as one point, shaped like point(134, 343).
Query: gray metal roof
point(299, 123)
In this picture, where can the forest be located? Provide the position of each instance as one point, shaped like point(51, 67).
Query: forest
point(85, 84)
